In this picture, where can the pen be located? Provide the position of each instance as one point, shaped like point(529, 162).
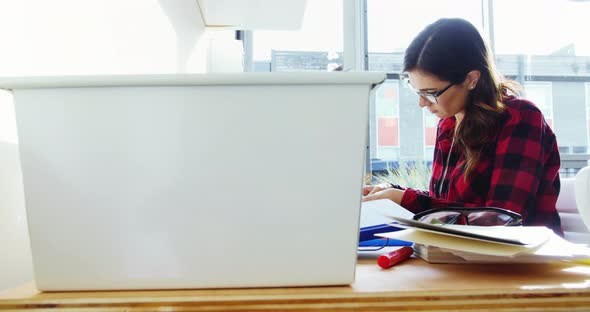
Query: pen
point(388, 260)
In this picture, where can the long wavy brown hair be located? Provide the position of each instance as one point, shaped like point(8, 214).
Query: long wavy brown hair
point(449, 49)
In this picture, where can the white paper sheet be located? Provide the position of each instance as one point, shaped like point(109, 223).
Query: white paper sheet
point(376, 211)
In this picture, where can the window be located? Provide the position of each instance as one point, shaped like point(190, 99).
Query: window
point(548, 52)
point(392, 25)
point(316, 47)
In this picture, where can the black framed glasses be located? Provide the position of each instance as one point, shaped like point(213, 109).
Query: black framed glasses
point(480, 216)
point(430, 96)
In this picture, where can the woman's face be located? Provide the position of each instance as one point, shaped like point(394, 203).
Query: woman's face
point(442, 98)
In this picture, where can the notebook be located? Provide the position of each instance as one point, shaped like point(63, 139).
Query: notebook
point(193, 181)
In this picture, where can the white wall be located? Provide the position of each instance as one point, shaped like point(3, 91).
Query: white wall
point(88, 37)
point(101, 37)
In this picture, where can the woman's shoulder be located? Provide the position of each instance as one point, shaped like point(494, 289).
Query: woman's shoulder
point(520, 106)
point(523, 117)
point(519, 110)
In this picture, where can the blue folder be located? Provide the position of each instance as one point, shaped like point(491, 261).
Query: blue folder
point(367, 236)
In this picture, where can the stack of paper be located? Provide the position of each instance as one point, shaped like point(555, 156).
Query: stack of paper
point(450, 243)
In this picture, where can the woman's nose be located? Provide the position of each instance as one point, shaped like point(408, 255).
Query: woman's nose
point(422, 102)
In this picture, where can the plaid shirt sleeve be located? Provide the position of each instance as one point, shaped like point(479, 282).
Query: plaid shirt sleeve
point(524, 175)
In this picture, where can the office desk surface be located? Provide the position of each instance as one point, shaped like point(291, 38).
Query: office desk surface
point(412, 285)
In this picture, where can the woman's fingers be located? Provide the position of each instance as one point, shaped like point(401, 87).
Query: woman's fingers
point(369, 198)
point(367, 189)
point(374, 190)
point(379, 188)
point(392, 194)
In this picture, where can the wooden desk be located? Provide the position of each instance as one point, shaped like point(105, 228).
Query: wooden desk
point(413, 285)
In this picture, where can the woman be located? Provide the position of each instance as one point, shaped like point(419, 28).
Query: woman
point(492, 149)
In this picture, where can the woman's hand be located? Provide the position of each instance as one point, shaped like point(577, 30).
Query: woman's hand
point(372, 189)
point(392, 194)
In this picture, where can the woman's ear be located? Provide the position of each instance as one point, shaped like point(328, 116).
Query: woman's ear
point(472, 79)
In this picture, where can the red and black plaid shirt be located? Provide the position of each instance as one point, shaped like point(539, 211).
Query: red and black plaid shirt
point(518, 170)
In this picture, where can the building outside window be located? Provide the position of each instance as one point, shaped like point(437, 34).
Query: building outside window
point(430, 125)
point(387, 111)
point(587, 85)
point(541, 94)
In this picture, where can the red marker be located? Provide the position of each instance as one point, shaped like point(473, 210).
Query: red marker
point(395, 257)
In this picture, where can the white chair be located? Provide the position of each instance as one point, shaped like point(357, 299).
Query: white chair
point(573, 206)
point(582, 195)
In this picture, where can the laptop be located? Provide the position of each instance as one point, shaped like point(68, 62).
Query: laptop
point(193, 181)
